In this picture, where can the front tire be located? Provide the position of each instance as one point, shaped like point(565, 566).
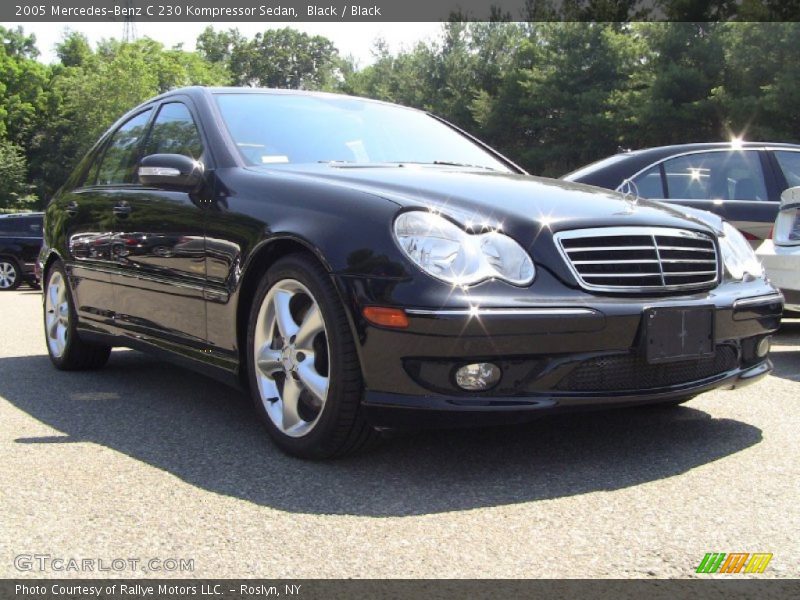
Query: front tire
point(10, 275)
point(303, 370)
point(67, 351)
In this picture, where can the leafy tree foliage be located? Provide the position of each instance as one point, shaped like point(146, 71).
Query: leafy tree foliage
point(90, 89)
point(13, 177)
point(277, 58)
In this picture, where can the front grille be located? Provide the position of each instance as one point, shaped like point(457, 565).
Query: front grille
point(640, 259)
point(630, 372)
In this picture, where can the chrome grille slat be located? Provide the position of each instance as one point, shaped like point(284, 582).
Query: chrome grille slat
point(624, 262)
point(674, 260)
point(645, 275)
point(686, 260)
point(687, 249)
point(608, 248)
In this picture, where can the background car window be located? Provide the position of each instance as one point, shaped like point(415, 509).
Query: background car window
point(735, 175)
point(790, 165)
point(174, 132)
point(122, 152)
point(33, 226)
point(22, 226)
point(649, 185)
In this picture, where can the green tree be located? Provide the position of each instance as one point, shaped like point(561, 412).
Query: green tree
point(761, 79)
point(276, 58)
point(14, 188)
point(684, 65)
point(87, 95)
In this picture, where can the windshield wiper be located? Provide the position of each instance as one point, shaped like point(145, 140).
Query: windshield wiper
point(401, 163)
point(448, 163)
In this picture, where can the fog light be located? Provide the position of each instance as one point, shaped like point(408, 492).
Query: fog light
point(762, 349)
point(477, 377)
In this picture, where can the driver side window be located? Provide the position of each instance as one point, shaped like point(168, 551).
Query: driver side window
point(122, 152)
point(174, 132)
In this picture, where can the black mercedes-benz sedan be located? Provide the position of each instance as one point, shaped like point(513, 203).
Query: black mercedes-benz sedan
point(358, 265)
point(739, 181)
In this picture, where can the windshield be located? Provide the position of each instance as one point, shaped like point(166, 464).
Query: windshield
point(274, 129)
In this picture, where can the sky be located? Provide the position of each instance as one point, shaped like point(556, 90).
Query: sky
point(354, 39)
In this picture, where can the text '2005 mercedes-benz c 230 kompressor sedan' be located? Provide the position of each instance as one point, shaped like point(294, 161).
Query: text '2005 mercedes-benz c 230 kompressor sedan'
point(359, 265)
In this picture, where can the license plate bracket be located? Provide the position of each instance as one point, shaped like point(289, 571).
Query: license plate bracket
point(678, 333)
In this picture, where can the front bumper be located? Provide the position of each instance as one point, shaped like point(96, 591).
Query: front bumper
point(571, 356)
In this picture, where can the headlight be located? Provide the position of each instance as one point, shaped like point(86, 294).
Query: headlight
point(449, 253)
point(738, 256)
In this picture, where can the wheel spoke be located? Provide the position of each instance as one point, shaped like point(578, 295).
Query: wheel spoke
point(53, 295)
point(313, 381)
point(52, 323)
point(311, 326)
point(290, 398)
point(269, 389)
point(283, 316)
point(269, 360)
point(61, 335)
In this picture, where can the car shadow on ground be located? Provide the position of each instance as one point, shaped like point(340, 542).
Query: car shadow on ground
point(207, 435)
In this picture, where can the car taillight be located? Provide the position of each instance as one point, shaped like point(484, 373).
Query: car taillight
point(786, 231)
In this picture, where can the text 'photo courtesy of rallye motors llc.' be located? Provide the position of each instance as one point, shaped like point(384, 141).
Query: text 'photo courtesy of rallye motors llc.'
point(358, 265)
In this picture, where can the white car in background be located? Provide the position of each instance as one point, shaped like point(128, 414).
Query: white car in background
point(781, 254)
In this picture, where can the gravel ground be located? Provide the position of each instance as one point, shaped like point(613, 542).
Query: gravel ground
point(147, 460)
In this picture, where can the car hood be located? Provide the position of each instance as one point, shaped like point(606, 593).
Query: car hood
point(520, 204)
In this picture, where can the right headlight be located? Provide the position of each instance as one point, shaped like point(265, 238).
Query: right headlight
point(447, 252)
point(737, 254)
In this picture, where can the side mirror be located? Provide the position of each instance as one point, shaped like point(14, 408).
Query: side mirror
point(171, 171)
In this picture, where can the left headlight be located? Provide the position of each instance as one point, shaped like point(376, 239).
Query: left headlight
point(738, 256)
point(447, 252)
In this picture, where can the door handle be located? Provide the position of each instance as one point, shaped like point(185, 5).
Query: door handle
point(122, 210)
point(72, 208)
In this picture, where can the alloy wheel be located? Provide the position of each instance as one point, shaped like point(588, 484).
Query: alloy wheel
point(56, 314)
point(291, 354)
point(8, 275)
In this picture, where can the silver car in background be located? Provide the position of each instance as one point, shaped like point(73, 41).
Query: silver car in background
point(780, 255)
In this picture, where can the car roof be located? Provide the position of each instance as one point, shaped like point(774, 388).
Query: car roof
point(20, 215)
point(612, 170)
point(197, 91)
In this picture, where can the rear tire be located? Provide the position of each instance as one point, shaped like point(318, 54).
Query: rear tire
point(67, 351)
point(304, 373)
point(10, 275)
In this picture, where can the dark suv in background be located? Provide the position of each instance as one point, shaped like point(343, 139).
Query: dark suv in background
point(20, 241)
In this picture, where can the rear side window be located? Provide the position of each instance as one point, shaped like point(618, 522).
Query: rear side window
point(121, 153)
point(735, 175)
point(649, 183)
point(22, 226)
point(32, 225)
point(790, 165)
point(174, 132)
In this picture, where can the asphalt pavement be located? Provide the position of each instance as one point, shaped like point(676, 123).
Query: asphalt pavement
point(146, 461)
